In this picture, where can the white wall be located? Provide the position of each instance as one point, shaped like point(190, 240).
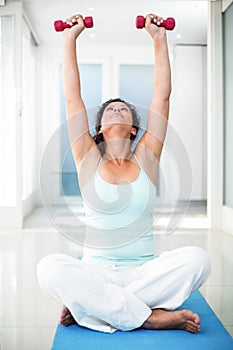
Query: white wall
point(215, 115)
point(220, 215)
point(225, 4)
point(227, 211)
point(189, 113)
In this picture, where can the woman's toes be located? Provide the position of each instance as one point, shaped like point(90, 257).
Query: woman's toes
point(192, 327)
point(196, 319)
point(66, 318)
point(64, 312)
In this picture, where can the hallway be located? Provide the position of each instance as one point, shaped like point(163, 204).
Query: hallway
point(38, 174)
point(29, 318)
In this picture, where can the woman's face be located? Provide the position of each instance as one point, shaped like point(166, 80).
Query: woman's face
point(117, 113)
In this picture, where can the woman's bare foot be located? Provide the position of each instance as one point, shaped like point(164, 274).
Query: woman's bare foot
point(66, 318)
point(181, 319)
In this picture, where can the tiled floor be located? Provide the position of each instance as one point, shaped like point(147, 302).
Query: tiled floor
point(28, 318)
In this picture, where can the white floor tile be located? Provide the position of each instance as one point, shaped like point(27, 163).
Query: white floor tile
point(28, 318)
point(27, 338)
point(229, 330)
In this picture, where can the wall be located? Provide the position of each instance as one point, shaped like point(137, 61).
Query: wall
point(227, 208)
point(189, 116)
point(221, 216)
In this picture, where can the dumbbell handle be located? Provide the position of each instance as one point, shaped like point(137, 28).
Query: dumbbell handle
point(59, 26)
point(168, 23)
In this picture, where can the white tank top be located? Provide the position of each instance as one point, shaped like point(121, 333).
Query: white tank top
point(119, 220)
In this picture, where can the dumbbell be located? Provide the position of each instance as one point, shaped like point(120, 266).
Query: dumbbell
point(60, 25)
point(168, 23)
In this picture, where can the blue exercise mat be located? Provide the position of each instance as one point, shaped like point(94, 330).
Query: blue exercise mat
point(212, 336)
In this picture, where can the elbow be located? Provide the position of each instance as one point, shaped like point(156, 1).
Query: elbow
point(74, 100)
point(74, 105)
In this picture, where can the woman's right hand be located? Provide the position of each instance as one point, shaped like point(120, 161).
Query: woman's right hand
point(153, 29)
point(77, 26)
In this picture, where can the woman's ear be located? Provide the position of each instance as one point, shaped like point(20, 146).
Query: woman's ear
point(133, 131)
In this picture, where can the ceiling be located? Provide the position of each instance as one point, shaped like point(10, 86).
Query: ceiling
point(114, 21)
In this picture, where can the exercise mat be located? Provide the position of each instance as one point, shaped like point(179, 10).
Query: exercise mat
point(213, 335)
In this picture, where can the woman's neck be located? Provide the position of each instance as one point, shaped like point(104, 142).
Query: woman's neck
point(118, 150)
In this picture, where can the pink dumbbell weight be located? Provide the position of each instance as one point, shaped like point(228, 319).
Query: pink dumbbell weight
point(168, 23)
point(60, 25)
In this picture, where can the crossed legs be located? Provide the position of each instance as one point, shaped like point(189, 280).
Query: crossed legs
point(107, 299)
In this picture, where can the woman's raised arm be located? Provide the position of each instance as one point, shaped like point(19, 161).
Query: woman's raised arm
point(80, 138)
point(154, 136)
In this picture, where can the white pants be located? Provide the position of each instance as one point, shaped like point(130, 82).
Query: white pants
point(107, 298)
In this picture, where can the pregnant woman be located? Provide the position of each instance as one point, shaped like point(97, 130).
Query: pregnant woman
point(119, 284)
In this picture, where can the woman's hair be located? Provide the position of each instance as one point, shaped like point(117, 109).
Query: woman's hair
point(98, 137)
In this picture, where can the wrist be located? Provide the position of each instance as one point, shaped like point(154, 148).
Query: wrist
point(160, 41)
point(68, 36)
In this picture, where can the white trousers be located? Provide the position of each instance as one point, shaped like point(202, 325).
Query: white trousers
point(109, 298)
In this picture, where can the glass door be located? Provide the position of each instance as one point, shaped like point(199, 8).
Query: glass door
point(136, 85)
point(10, 115)
point(91, 83)
point(7, 113)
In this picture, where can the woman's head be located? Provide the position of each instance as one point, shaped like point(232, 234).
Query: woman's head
point(107, 111)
